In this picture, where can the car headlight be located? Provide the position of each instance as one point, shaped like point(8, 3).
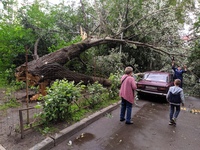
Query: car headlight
point(140, 86)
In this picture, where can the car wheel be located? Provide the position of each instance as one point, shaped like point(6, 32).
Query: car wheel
point(141, 95)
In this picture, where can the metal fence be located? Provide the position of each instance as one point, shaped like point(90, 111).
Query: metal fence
point(10, 119)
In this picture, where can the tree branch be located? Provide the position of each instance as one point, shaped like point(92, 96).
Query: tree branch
point(136, 22)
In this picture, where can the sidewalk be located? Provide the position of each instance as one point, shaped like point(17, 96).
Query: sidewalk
point(111, 120)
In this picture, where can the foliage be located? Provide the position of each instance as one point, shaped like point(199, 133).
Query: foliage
point(109, 63)
point(12, 103)
point(11, 88)
point(78, 115)
point(8, 76)
point(147, 22)
point(9, 98)
point(194, 60)
point(195, 90)
point(115, 79)
point(54, 26)
point(192, 90)
point(46, 130)
point(13, 40)
point(57, 103)
point(96, 94)
point(61, 102)
point(62, 44)
point(194, 57)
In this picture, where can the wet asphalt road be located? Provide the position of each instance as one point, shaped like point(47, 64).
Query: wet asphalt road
point(150, 130)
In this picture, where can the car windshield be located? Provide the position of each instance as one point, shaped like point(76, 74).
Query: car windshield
point(155, 77)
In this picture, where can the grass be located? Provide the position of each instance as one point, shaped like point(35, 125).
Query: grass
point(10, 104)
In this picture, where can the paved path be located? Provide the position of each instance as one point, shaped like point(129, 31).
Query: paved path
point(98, 134)
point(150, 130)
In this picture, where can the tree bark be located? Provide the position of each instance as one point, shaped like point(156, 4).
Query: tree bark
point(35, 55)
point(48, 68)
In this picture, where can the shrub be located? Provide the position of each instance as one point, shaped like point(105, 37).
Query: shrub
point(58, 101)
point(97, 94)
point(115, 80)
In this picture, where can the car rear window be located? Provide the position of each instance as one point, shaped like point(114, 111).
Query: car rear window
point(155, 77)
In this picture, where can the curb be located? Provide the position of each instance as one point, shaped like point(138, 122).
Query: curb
point(59, 137)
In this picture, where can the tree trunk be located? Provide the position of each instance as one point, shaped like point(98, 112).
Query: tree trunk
point(48, 68)
point(35, 55)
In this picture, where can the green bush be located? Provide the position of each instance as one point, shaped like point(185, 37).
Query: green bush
point(62, 100)
point(115, 80)
point(97, 94)
point(57, 103)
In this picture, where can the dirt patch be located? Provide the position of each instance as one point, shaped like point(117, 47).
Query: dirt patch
point(10, 135)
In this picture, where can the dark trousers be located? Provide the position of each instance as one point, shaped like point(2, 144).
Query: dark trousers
point(126, 108)
point(174, 111)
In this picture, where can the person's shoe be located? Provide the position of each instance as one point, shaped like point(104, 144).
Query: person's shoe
point(131, 122)
point(174, 121)
point(171, 122)
point(122, 120)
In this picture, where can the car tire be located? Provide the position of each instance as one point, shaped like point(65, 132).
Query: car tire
point(141, 95)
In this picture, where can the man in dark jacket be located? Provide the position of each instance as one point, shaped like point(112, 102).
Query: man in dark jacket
point(178, 72)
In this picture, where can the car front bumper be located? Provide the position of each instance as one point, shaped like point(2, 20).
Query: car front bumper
point(151, 92)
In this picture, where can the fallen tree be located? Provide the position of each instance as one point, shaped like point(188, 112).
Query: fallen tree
point(48, 68)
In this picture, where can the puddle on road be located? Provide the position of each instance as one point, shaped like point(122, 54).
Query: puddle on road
point(83, 138)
